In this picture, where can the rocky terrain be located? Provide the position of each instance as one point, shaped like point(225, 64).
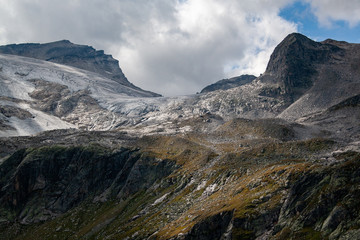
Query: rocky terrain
point(228, 83)
point(275, 158)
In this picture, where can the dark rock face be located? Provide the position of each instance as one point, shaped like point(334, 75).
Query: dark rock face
point(350, 102)
point(229, 83)
point(213, 227)
point(37, 184)
point(67, 53)
point(10, 111)
point(293, 64)
point(323, 201)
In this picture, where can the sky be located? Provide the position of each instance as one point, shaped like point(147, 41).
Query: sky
point(177, 47)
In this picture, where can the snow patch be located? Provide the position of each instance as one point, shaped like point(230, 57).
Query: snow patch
point(159, 200)
point(201, 185)
point(30, 126)
point(210, 190)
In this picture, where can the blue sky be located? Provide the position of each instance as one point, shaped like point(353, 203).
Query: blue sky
point(302, 15)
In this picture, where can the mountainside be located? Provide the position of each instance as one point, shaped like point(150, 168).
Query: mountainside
point(273, 158)
point(56, 96)
point(79, 56)
point(229, 83)
point(312, 76)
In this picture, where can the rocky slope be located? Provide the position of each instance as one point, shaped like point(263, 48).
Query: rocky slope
point(276, 158)
point(248, 179)
point(79, 56)
point(57, 96)
point(228, 83)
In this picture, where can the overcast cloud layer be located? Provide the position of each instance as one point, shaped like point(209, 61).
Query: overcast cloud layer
point(168, 46)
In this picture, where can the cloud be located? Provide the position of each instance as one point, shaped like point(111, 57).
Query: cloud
point(168, 46)
point(329, 11)
point(204, 39)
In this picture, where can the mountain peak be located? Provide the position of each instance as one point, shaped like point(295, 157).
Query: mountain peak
point(79, 56)
point(297, 37)
point(63, 41)
point(225, 84)
point(292, 64)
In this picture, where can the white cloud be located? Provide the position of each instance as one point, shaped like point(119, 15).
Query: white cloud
point(203, 39)
point(167, 46)
point(328, 11)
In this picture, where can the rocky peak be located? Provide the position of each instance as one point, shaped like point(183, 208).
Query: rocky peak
point(335, 42)
point(293, 63)
point(225, 84)
point(79, 56)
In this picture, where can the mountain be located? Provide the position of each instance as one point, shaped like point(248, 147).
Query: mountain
point(56, 96)
point(281, 91)
point(79, 56)
point(274, 158)
point(312, 76)
point(225, 84)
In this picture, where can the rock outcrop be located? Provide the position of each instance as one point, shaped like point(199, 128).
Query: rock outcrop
point(295, 61)
point(228, 83)
point(45, 182)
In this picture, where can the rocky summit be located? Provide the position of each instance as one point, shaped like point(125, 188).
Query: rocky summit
point(225, 84)
point(84, 155)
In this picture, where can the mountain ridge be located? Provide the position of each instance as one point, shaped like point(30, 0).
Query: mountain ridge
point(225, 84)
point(79, 56)
point(279, 92)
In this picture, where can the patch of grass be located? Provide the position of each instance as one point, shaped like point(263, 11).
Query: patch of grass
point(190, 155)
point(308, 234)
point(239, 233)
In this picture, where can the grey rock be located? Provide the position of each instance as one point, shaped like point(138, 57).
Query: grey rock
point(228, 83)
point(45, 182)
point(351, 234)
point(213, 227)
point(292, 64)
point(11, 111)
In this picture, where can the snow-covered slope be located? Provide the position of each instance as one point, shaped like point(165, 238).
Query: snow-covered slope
point(19, 69)
point(38, 121)
point(80, 56)
point(93, 102)
point(17, 83)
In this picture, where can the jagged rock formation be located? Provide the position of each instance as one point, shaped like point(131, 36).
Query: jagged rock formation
point(275, 158)
point(79, 56)
point(294, 62)
point(309, 74)
point(76, 173)
point(228, 83)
